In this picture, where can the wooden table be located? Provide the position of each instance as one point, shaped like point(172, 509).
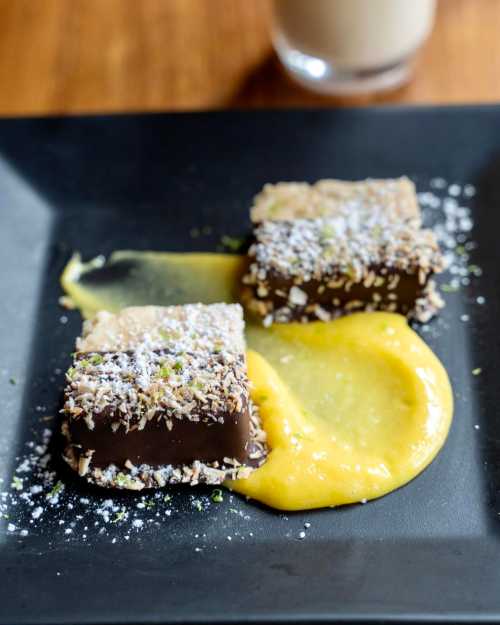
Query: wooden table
point(68, 56)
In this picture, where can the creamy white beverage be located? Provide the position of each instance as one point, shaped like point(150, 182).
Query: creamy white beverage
point(352, 35)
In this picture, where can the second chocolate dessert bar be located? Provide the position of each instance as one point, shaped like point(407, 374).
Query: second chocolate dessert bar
point(160, 395)
point(306, 269)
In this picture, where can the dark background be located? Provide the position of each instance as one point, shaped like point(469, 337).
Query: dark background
point(428, 550)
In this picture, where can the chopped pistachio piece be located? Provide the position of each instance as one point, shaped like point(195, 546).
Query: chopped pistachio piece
point(217, 496)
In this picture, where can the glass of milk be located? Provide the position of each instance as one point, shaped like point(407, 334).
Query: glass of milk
point(350, 46)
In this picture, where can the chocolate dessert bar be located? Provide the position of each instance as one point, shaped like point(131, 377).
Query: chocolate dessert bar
point(395, 198)
point(160, 395)
point(309, 269)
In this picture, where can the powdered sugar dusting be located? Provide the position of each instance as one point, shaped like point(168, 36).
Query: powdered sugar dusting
point(177, 329)
point(447, 212)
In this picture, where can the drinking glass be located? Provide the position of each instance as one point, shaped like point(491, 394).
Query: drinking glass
point(350, 46)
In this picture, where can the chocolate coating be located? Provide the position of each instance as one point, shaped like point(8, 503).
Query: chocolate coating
point(147, 417)
point(306, 269)
point(157, 445)
point(403, 296)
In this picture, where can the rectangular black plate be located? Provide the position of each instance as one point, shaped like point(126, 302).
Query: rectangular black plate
point(428, 551)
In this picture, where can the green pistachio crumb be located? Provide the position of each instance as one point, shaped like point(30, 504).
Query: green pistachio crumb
point(217, 496)
point(12, 381)
point(178, 366)
point(150, 504)
point(232, 243)
point(71, 373)
point(57, 488)
point(218, 345)
point(167, 498)
point(97, 359)
point(448, 288)
point(120, 515)
point(326, 233)
point(17, 483)
point(476, 371)
point(350, 272)
point(165, 372)
point(197, 505)
point(123, 480)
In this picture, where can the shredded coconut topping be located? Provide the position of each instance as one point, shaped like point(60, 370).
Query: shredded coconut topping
point(353, 245)
point(132, 388)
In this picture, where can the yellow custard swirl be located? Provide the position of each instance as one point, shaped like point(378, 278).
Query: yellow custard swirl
point(370, 409)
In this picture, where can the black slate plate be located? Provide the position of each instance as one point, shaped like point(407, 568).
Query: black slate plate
point(427, 552)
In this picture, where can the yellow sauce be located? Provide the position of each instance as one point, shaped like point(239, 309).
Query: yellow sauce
point(139, 278)
point(353, 408)
point(371, 407)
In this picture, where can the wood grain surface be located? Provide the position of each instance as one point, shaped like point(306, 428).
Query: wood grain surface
point(68, 56)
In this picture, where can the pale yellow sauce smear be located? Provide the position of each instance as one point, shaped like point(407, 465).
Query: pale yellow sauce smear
point(353, 408)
